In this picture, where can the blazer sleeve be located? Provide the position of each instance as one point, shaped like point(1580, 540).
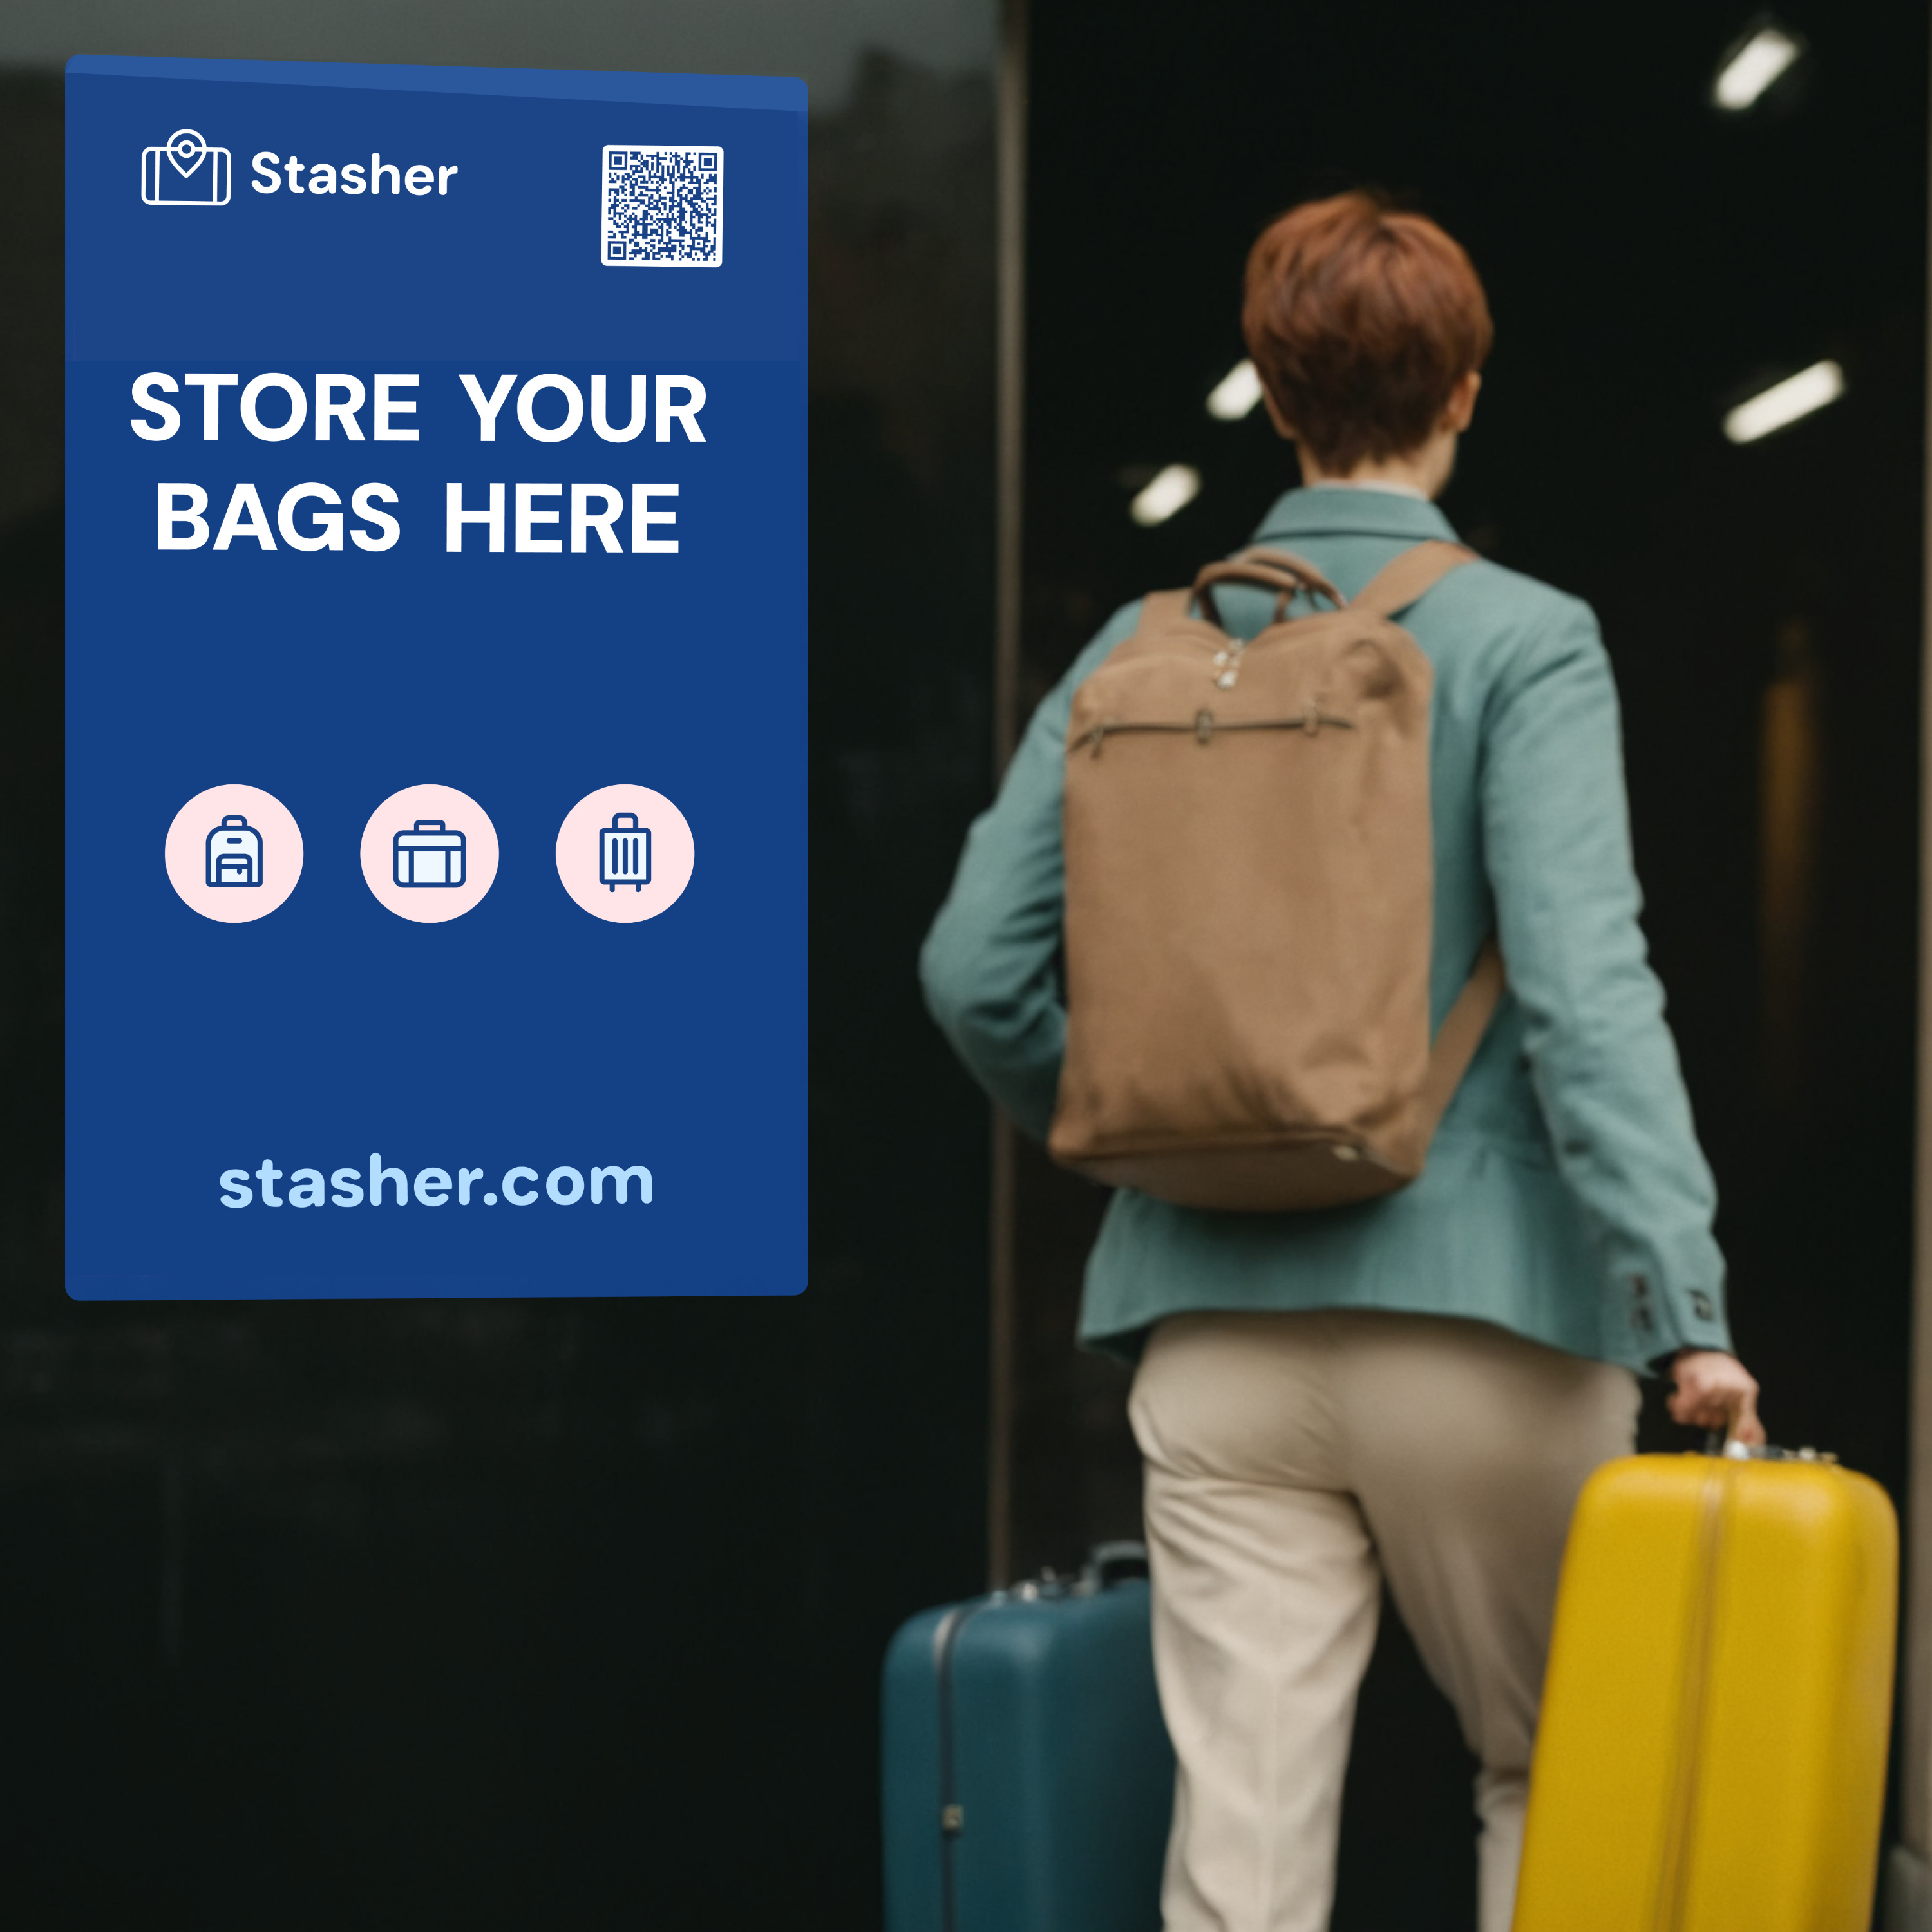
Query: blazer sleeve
point(990, 965)
point(1556, 829)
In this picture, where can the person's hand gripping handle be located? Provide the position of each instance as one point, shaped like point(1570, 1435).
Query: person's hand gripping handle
point(1715, 1391)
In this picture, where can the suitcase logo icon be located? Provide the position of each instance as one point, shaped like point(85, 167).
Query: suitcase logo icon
point(624, 853)
point(185, 171)
point(234, 853)
point(430, 854)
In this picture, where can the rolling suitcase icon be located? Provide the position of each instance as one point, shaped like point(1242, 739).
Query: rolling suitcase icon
point(430, 854)
point(624, 853)
point(235, 853)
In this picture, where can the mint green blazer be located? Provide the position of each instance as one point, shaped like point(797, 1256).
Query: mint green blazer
point(1566, 1197)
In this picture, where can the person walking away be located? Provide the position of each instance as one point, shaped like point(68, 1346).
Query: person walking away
point(1410, 1391)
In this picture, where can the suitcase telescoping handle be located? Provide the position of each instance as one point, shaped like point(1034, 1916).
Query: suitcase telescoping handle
point(625, 821)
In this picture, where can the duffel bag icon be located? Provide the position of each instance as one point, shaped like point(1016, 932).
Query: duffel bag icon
point(430, 854)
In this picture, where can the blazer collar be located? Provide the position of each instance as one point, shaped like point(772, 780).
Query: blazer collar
point(1327, 510)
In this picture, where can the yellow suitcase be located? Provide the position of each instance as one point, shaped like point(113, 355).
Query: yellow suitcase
point(1711, 1752)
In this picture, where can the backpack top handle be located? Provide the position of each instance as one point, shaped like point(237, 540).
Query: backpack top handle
point(1280, 570)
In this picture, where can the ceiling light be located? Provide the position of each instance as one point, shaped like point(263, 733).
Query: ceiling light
point(1174, 488)
point(1751, 67)
point(1785, 402)
point(1235, 395)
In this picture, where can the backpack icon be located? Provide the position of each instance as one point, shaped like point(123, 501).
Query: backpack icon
point(235, 853)
point(1249, 883)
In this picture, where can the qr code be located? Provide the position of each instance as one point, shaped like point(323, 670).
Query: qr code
point(664, 208)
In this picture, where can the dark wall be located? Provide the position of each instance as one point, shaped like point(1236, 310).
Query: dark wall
point(522, 1614)
point(1649, 261)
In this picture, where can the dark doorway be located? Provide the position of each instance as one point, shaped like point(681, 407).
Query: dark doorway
point(1651, 260)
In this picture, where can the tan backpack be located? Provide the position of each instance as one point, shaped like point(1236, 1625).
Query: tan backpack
point(1249, 882)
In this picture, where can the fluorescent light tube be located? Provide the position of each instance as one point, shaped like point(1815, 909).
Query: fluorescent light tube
point(1235, 395)
point(1173, 489)
point(1785, 402)
point(1753, 68)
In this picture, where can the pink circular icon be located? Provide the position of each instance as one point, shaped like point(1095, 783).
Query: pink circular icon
point(626, 853)
point(233, 853)
point(429, 853)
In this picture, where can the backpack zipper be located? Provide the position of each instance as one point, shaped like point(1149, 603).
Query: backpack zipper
point(1206, 725)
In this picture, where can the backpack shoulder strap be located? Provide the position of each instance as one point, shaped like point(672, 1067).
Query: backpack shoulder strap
point(1460, 1033)
point(1398, 584)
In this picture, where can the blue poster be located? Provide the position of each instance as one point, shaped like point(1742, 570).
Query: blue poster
point(436, 751)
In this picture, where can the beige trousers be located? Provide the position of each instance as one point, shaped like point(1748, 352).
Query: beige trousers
point(1294, 1462)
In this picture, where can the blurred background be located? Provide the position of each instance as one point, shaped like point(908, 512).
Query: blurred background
point(508, 1614)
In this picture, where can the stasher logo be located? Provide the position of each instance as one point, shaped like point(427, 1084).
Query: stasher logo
point(186, 173)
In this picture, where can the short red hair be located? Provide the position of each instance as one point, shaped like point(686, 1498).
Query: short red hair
point(1361, 322)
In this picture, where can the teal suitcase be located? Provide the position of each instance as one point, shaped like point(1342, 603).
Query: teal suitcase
point(1028, 1781)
